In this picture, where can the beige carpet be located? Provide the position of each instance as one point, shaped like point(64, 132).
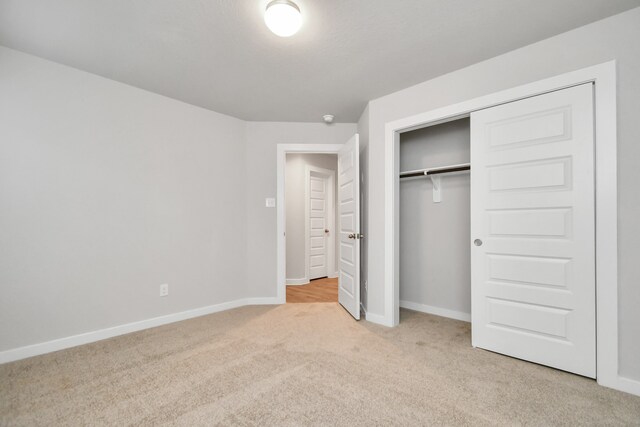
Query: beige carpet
point(299, 364)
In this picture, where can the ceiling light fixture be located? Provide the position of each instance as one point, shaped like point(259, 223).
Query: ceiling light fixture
point(283, 17)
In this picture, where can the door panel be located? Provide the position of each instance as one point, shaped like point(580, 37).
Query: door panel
point(532, 211)
point(317, 226)
point(349, 227)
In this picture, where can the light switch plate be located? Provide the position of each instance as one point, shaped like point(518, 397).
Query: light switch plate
point(270, 202)
point(164, 289)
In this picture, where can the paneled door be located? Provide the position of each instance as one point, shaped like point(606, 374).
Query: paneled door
point(349, 227)
point(318, 224)
point(533, 230)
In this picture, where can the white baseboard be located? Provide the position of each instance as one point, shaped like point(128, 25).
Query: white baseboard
point(628, 385)
point(89, 337)
point(376, 318)
point(263, 301)
point(301, 281)
point(370, 317)
point(444, 312)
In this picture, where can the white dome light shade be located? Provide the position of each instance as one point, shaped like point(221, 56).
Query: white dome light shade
point(283, 17)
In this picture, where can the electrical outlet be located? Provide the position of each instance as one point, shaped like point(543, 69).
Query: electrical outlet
point(164, 290)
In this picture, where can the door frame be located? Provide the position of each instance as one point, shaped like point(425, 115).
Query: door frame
point(603, 77)
point(281, 227)
point(330, 253)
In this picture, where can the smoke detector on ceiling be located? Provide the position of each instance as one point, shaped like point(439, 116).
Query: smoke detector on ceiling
point(328, 118)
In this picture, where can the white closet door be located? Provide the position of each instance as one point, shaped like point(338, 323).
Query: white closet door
point(317, 225)
point(533, 230)
point(349, 227)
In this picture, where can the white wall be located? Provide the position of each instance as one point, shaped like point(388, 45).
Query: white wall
point(261, 141)
point(107, 191)
point(613, 38)
point(295, 179)
point(435, 255)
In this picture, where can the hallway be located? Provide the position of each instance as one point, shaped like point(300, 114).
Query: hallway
point(319, 290)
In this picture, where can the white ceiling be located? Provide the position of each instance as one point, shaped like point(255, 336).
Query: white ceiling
point(218, 54)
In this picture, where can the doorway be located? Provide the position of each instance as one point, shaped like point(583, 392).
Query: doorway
point(311, 209)
point(347, 226)
point(532, 269)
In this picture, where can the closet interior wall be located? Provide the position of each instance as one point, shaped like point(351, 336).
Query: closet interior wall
point(435, 252)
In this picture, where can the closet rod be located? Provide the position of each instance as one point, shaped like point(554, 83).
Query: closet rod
point(436, 171)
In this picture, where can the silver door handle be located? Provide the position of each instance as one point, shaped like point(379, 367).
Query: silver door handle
point(477, 242)
point(356, 236)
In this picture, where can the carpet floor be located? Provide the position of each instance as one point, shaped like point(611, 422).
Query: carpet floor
point(300, 364)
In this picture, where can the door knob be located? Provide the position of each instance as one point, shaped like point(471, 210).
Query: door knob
point(356, 236)
point(477, 242)
point(326, 230)
point(352, 236)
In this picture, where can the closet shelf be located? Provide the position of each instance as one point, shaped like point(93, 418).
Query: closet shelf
point(436, 171)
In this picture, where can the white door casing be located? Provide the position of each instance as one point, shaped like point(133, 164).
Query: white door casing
point(349, 227)
point(319, 213)
point(533, 229)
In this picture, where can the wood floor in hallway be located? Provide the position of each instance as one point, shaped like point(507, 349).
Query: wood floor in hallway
point(319, 290)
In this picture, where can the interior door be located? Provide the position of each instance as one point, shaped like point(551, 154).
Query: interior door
point(349, 227)
point(533, 230)
point(317, 225)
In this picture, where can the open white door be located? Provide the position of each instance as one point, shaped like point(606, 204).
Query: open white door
point(349, 226)
point(533, 230)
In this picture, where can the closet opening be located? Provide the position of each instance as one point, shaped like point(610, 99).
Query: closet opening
point(542, 218)
point(434, 220)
